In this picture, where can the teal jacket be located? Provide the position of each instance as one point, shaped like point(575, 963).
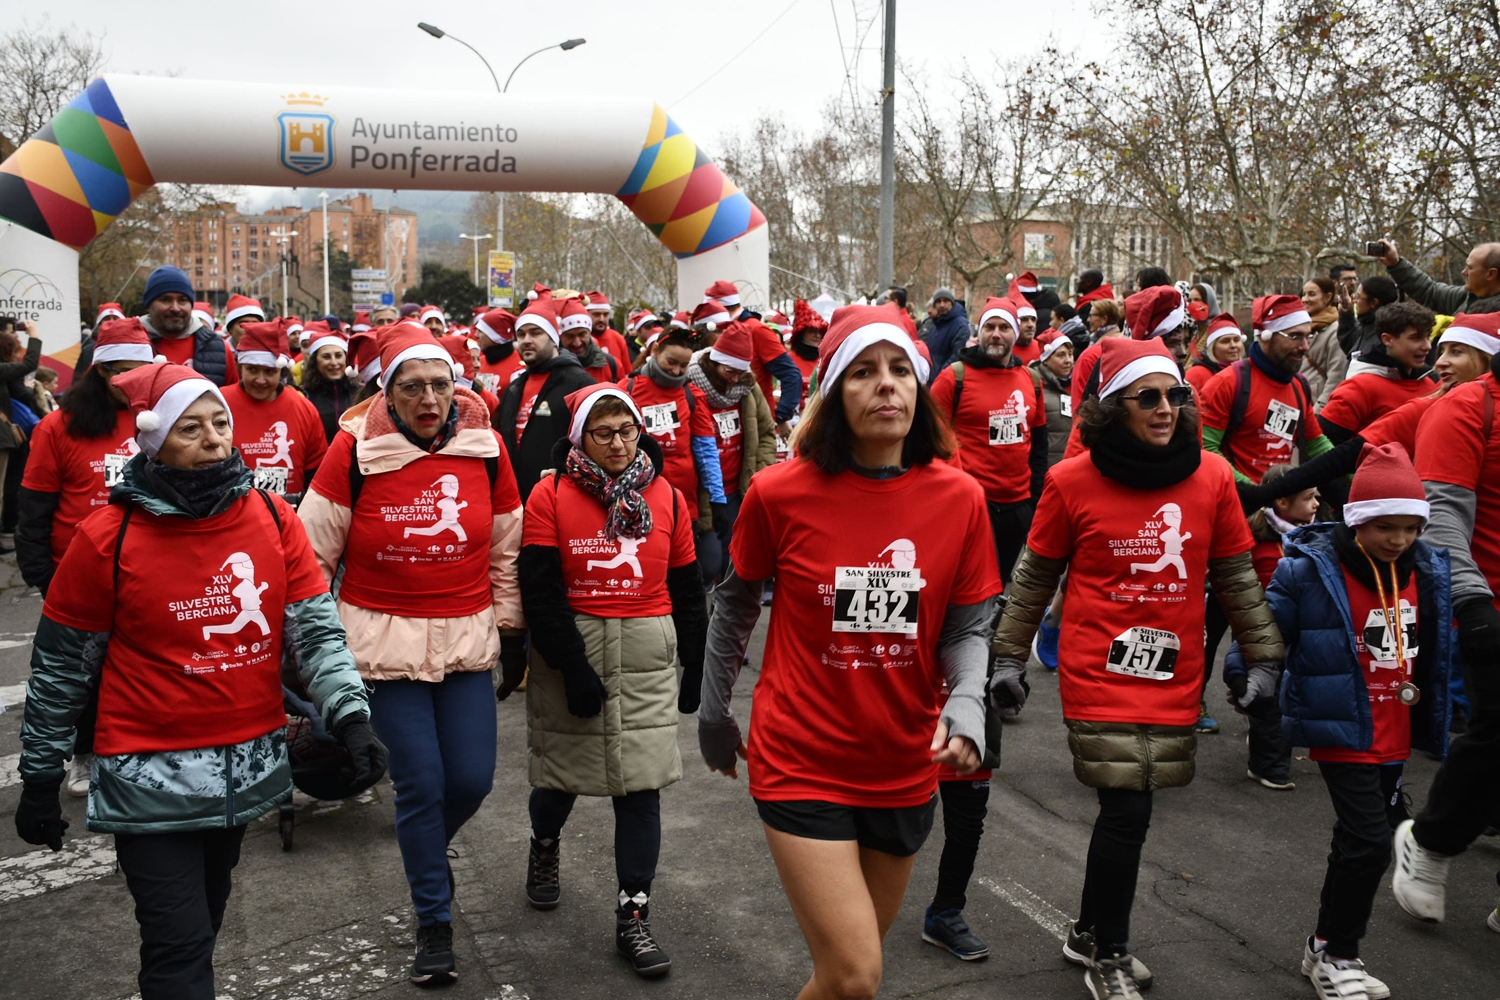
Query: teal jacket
point(165, 792)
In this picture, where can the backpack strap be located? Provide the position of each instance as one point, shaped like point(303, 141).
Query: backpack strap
point(1303, 392)
point(356, 477)
point(958, 386)
point(630, 385)
point(270, 506)
point(119, 543)
point(1241, 399)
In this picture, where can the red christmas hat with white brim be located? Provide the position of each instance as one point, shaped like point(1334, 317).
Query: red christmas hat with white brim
point(1004, 309)
point(597, 302)
point(1385, 484)
point(1122, 361)
point(361, 322)
point(124, 340)
point(538, 291)
point(462, 356)
point(499, 325)
point(1022, 284)
point(431, 312)
point(1155, 312)
point(1480, 331)
point(776, 321)
point(405, 342)
point(264, 344)
point(1049, 341)
point(294, 325)
point(241, 306)
point(539, 312)
point(329, 338)
point(574, 316)
point(581, 401)
point(1271, 314)
point(723, 292)
point(157, 395)
point(364, 354)
point(854, 329)
point(711, 314)
point(734, 348)
point(108, 310)
point(682, 321)
point(1221, 326)
point(204, 313)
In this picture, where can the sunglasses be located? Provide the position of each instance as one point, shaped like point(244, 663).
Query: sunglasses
point(1149, 399)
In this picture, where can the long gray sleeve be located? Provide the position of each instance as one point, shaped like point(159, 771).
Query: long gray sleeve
point(964, 653)
point(1434, 295)
point(736, 610)
point(1450, 527)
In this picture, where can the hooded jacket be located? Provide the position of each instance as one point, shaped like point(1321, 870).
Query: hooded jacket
point(1059, 402)
point(948, 335)
point(549, 416)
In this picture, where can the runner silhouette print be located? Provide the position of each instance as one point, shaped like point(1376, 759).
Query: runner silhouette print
point(448, 506)
point(1169, 532)
point(283, 445)
point(625, 557)
point(248, 595)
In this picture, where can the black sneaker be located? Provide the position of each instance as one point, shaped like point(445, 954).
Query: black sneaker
point(634, 941)
point(1078, 948)
point(949, 930)
point(433, 964)
point(543, 889)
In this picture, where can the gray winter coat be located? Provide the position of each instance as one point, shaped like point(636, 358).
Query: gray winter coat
point(1440, 298)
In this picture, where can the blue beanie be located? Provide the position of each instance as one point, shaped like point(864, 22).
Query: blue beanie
point(165, 280)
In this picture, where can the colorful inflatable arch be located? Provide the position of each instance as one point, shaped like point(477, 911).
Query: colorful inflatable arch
point(123, 134)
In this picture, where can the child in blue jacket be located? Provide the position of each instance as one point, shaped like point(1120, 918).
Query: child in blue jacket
point(1366, 612)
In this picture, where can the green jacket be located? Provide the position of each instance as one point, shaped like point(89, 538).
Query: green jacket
point(208, 787)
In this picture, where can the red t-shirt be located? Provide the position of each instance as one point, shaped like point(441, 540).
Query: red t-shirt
point(81, 471)
point(282, 441)
point(865, 571)
point(1137, 561)
point(179, 351)
point(419, 538)
point(806, 368)
point(495, 377)
point(1400, 425)
point(767, 346)
point(1359, 401)
point(729, 432)
point(531, 388)
point(625, 578)
point(1383, 675)
point(1266, 435)
point(1028, 352)
point(1265, 556)
point(1452, 448)
point(603, 373)
point(614, 342)
point(998, 412)
point(194, 659)
point(1197, 376)
point(672, 422)
point(1087, 362)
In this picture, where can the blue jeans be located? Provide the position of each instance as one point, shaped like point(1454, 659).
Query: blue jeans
point(442, 743)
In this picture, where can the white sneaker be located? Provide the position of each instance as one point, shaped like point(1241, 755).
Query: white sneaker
point(1421, 877)
point(1374, 988)
point(1493, 923)
point(80, 772)
point(1339, 978)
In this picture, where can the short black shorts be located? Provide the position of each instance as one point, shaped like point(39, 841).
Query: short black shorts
point(900, 832)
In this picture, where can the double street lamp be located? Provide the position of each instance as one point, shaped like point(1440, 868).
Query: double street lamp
point(476, 239)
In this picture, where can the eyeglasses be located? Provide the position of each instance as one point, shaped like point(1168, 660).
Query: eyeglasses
point(1149, 399)
point(1300, 338)
point(416, 390)
point(604, 435)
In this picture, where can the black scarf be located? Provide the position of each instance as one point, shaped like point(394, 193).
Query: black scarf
point(496, 353)
point(1261, 360)
point(433, 444)
point(1129, 461)
point(804, 350)
point(198, 493)
point(654, 371)
point(560, 359)
point(1353, 559)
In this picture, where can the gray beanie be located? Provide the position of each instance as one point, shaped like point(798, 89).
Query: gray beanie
point(944, 293)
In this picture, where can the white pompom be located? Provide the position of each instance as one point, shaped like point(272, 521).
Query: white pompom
point(148, 421)
point(282, 361)
point(531, 295)
point(349, 371)
point(458, 370)
point(160, 359)
point(710, 327)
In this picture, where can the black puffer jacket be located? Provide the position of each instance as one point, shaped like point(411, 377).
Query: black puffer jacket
point(549, 416)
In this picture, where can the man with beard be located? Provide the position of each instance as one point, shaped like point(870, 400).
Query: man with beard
point(999, 415)
point(498, 358)
point(177, 335)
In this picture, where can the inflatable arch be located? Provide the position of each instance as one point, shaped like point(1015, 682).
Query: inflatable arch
point(123, 134)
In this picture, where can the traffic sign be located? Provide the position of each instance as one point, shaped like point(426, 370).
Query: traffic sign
point(368, 274)
point(367, 286)
point(387, 298)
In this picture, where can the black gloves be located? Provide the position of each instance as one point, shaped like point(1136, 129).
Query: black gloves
point(720, 743)
point(1008, 687)
point(1479, 640)
point(1252, 497)
point(720, 516)
point(367, 754)
point(39, 814)
point(1253, 692)
point(585, 691)
point(512, 665)
point(692, 690)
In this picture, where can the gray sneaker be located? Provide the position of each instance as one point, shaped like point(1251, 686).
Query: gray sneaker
point(1079, 949)
point(1110, 979)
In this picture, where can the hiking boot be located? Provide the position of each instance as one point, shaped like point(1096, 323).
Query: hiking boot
point(1206, 723)
point(633, 940)
point(1110, 979)
point(433, 964)
point(1374, 988)
point(1046, 644)
point(1493, 923)
point(948, 930)
point(80, 773)
point(1420, 881)
point(543, 888)
point(1339, 978)
point(1079, 949)
point(1274, 784)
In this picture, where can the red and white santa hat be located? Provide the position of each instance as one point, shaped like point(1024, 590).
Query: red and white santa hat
point(1023, 308)
point(157, 395)
point(855, 328)
point(124, 340)
point(432, 312)
point(682, 321)
point(407, 341)
point(109, 310)
point(538, 291)
point(499, 325)
point(294, 325)
point(597, 302)
point(364, 354)
point(1050, 340)
point(326, 337)
point(723, 292)
point(1385, 484)
point(574, 315)
point(204, 313)
point(710, 314)
point(461, 352)
point(776, 321)
point(581, 401)
point(1122, 361)
point(1022, 285)
point(1221, 326)
point(264, 344)
point(734, 348)
point(1155, 312)
point(540, 312)
point(1004, 309)
point(361, 322)
point(1480, 331)
point(1271, 314)
point(241, 306)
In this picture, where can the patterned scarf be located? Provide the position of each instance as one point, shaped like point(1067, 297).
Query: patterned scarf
point(721, 400)
point(628, 513)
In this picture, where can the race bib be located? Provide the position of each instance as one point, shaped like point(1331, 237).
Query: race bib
point(729, 424)
point(876, 599)
point(661, 418)
point(1281, 419)
point(271, 478)
point(1066, 405)
point(114, 470)
point(1144, 652)
point(487, 381)
point(1006, 428)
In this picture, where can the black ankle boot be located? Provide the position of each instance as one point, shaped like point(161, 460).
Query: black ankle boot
point(633, 937)
point(543, 888)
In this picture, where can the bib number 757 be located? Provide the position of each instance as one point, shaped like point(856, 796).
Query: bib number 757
point(876, 599)
point(1150, 653)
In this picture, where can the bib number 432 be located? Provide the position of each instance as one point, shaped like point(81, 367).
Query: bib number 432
point(1144, 652)
point(876, 599)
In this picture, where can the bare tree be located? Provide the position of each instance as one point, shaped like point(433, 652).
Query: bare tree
point(41, 70)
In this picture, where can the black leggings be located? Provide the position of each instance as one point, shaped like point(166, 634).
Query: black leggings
point(1114, 863)
point(1011, 523)
point(1215, 624)
point(637, 831)
point(965, 803)
point(1360, 852)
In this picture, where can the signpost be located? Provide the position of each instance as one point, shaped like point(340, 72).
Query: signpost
point(502, 279)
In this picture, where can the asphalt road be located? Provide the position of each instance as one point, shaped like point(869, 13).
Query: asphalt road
point(1228, 889)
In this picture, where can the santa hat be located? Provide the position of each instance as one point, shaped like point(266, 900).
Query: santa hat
point(1271, 314)
point(461, 351)
point(407, 341)
point(157, 395)
point(264, 344)
point(711, 314)
point(723, 292)
point(652, 338)
point(124, 340)
point(776, 321)
point(681, 321)
point(539, 312)
point(294, 325)
point(854, 328)
point(1385, 484)
point(364, 354)
point(241, 306)
point(539, 292)
point(109, 310)
point(1221, 326)
point(1480, 331)
point(581, 401)
point(734, 348)
point(805, 317)
point(574, 316)
point(1023, 308)
point(1155, 312)
point(361, 322)
point(205, 313)
point(597, 302)
point(633, 319)
point(1004, 309)
point(499, 325)
point(1122, 361)
point(1022, 285)
point(431, 312)
point(1050, 340)
point(327, 338)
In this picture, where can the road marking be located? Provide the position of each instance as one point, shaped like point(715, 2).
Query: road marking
point(12, 695)
point(82, 859)
point(10, 770)
point(1046, 916)
point(12, 640)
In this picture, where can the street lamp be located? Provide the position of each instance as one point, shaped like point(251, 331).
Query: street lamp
point(437, 32)
point(571, 43)
point(283, 238)
point(327, 305)
point(476, 239)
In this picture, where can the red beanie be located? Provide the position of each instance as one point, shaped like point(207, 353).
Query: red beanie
point(241, 306)
point(124, 340)
point(157, 395)
point(1155, 312)
point(1271, 314)
point(264, 344)
point(407, 341)
point(1122, 361)
point(734, 348)
point(854, 328)
point(1385, 484)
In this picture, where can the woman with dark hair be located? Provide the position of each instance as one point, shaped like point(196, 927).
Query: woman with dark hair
point(882, 560)
point(328, 380)
point(1326, 360)
point(1145, 512)
point(1357, 313)
point(1222, 344)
